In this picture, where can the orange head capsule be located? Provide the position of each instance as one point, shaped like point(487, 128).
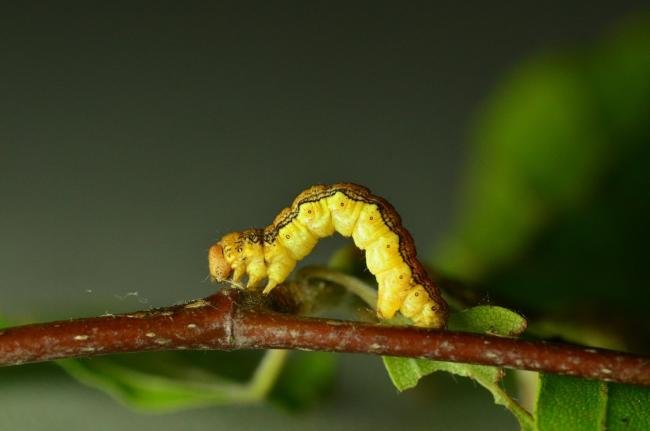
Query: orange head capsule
point(219, 268)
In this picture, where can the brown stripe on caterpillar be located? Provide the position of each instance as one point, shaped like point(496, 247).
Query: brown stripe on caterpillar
point(318, 212)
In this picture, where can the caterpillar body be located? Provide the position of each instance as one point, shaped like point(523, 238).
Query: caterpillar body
point(318, 212)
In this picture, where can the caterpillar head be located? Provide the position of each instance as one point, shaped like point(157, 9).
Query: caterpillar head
point(219, 268)
point(225, 256)
point(231, 254)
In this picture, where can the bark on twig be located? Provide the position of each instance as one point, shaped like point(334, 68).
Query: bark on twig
point(228, 321)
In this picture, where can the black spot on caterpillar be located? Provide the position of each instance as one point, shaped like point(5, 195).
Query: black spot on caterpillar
point(319, 211)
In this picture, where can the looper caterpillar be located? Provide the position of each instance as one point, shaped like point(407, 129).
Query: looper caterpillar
point(318, 212)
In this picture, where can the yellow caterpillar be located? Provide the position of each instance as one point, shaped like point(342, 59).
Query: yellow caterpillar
point(350, 210)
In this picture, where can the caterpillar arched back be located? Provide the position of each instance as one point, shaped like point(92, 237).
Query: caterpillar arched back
point(350, 210)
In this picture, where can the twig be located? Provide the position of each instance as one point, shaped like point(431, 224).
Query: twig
point(230, 320)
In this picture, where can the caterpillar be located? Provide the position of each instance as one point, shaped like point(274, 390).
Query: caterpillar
point(318, 212)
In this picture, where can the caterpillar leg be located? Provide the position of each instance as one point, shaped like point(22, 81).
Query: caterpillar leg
point(253, 281)
point(280, 263)
point(238, 273)
point(270, 285)
point(420, 308)
point(279, 270)
point(256, 267)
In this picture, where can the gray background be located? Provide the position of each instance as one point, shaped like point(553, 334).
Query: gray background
point(131, 137)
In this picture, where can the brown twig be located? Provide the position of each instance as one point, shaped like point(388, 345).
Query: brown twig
point(228, 320)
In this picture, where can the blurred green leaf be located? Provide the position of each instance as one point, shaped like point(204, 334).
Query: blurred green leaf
point(406, 372)
point(348, 259)
point(568, 403)
point(536, 154)
point(305, 380)
point(557, 195)
point(575, 332)
point(168, 381)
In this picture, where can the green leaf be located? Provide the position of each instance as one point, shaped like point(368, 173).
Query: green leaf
point(572, 404)
point(406, 372)
point(488, 319)
point(628, 408)
point(169, 381)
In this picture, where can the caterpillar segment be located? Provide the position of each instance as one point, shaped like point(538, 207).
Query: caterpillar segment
point(351, 210)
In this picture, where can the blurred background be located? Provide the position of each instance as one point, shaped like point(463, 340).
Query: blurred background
point(509, 137)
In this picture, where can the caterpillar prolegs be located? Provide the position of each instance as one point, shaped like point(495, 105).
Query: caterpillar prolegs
point(318, 212)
